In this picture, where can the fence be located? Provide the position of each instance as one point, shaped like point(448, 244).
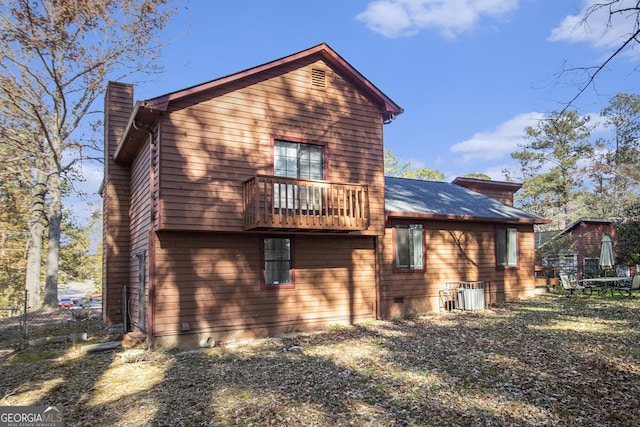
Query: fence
point(465, 295)
point(12, 311)
point(24, 325)
point(13, 323)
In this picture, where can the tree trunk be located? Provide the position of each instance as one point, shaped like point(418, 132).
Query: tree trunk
point(34, 245)
point(53, 250)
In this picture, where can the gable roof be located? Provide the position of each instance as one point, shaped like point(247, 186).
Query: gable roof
point(322, 51)
point(146, 112)
point(545, 238)
point(571, 227)
point(417, 199)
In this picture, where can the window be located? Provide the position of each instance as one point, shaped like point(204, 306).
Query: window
point(277, 262)
point(409, 247)
point(507, 247)
point(297, 160)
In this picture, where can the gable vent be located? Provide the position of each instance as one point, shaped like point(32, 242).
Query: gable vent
point(318, 78)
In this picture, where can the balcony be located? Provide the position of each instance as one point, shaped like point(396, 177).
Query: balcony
point(301, 204)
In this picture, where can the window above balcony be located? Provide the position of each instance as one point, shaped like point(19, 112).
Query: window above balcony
point(298, 160)
point(299, 197)
point(277, 203)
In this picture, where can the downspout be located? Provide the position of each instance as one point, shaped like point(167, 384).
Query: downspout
point(376, 246)
point(151, 237)
point(152, 242)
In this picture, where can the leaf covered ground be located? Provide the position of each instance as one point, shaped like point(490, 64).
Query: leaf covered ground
point(548, 361)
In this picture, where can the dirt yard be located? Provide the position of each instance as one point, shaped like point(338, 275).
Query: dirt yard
point(549, 361)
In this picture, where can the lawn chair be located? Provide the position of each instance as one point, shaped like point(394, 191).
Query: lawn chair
point(570, 286)
point(630, 287)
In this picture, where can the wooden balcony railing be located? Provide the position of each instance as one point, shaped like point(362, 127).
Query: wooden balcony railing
point(289, 203)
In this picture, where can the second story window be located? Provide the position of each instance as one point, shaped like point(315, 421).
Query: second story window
point(298, 160)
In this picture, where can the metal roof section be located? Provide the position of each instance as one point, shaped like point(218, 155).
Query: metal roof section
point(411, 198)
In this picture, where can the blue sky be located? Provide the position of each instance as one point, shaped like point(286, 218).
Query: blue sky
point(470, 74)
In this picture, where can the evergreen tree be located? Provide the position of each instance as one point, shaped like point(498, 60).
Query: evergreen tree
point(393, 167)
point(628, 235)
point(552, 178)
point(614, 166)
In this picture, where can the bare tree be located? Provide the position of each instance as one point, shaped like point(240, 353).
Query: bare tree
point(22, 201)
point(55, 59)
point(607, 14)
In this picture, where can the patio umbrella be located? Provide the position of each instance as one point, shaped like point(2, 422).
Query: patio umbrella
point(606, 254)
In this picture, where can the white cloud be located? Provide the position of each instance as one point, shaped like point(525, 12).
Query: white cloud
point(93, 174)
point(599, 124)
point(395, 18)
point(498, 143)
point(496, 172)
point(416, 163)
point(597, 26)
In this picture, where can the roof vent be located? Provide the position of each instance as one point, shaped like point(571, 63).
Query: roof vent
point(318, 78)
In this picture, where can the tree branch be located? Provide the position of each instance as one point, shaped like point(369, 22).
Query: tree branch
point(598, 69)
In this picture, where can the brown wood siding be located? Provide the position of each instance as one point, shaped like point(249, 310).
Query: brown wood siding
point(505, 197)
point(455, 251)
point(214, 141)
point(501, 191)
point(115, 193)
point(211, 283)
point(139, 223)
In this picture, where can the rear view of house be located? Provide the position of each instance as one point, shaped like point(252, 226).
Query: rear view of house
point(255, 204)
point(246, 205)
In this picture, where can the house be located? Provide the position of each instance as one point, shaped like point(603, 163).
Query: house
point(578, 247)
point(455, 235)
point(254, 204)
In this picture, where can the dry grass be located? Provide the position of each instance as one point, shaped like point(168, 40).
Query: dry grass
point(549, 361)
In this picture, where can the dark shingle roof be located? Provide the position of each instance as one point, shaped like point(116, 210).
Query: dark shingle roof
point(442, 199)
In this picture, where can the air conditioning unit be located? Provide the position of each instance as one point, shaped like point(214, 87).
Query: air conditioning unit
point(471, 299)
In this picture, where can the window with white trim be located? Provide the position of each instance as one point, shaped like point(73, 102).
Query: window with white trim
point(409, 247)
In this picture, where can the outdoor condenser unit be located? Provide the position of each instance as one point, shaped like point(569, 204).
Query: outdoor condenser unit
point(471, 299)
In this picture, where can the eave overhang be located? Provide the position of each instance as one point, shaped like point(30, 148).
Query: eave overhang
point(140, 123)
point(482, 183)
point(464, 218)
